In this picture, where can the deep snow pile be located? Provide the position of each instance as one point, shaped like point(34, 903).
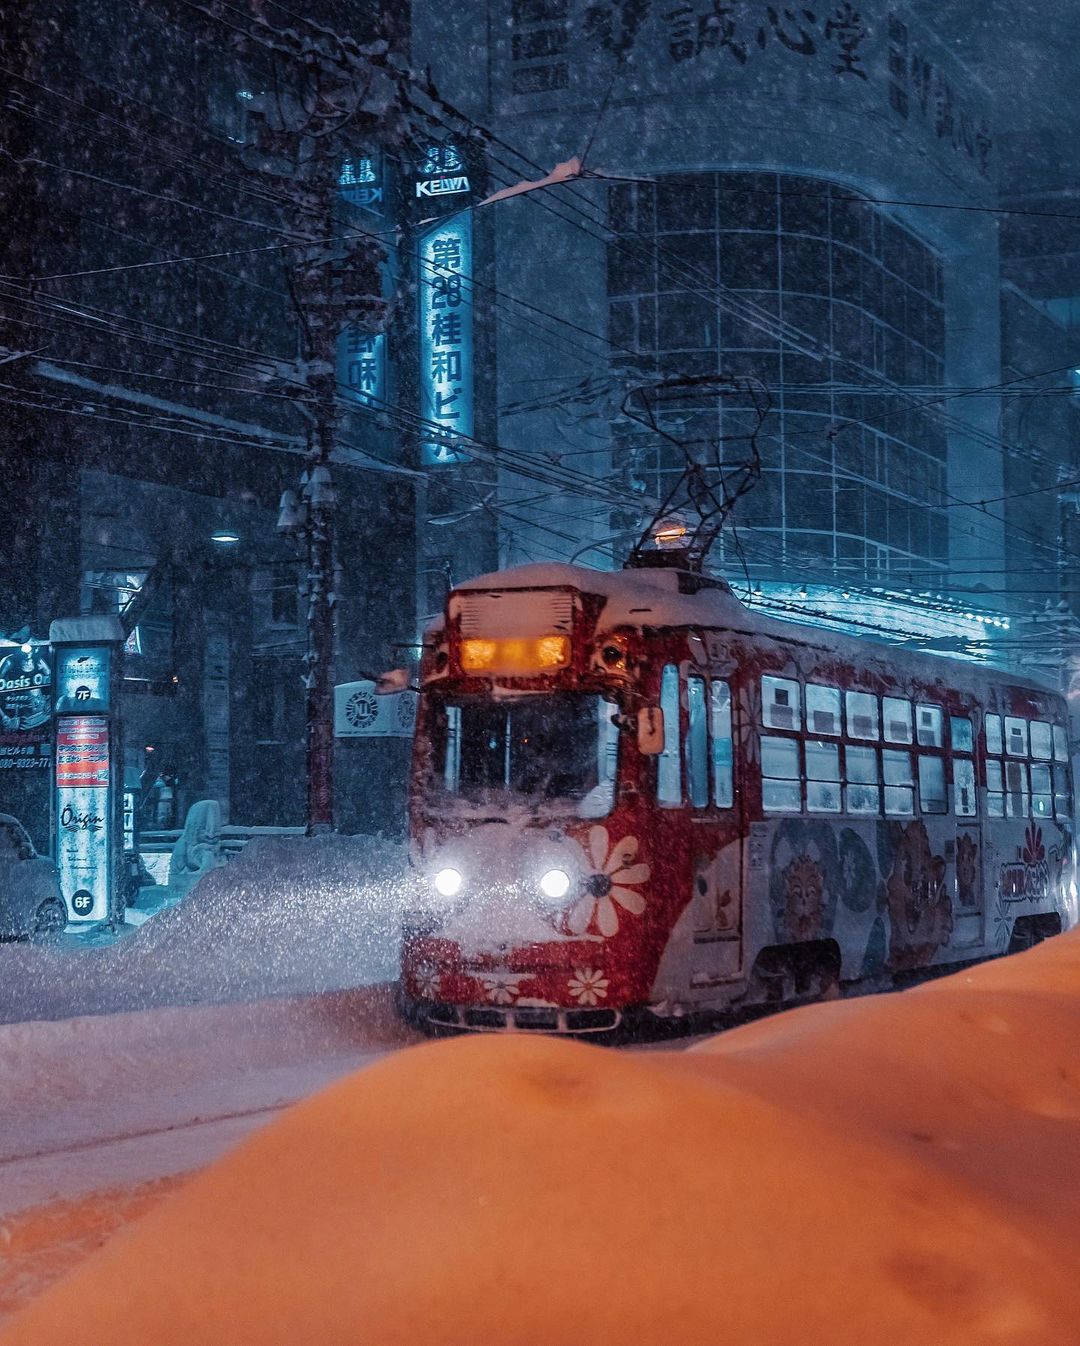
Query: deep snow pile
point(288, 915)
point(895, 1170)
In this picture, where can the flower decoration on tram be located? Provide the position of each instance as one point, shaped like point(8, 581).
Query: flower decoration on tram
point(588, 987)
point(501, 988)
point(1034, 851)
point(610, 886)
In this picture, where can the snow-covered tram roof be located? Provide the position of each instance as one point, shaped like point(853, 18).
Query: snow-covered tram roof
point(653, 597)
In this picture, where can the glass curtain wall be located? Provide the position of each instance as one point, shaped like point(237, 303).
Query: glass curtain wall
point(854, 474)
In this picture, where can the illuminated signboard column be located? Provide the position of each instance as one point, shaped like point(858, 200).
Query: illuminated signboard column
point(361, 355)
point(446, 338)
point(444, 282)
point(88, 832)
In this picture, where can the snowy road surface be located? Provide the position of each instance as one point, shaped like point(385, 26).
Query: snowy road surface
point(894, 1169)
point(99, 1115)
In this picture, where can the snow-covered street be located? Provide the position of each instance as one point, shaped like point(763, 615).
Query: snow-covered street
point(893, 1169)
point(99, 1115)
point(125, 1066)
point(287, 916)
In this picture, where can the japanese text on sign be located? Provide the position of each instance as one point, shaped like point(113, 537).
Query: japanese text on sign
point(446, 339)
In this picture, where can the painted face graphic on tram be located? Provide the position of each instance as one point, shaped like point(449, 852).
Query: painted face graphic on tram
point(805, 879)
point(920, 910)
point(804, 894)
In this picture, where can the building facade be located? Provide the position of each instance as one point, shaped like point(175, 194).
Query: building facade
point(762, 195)
point(156, 408)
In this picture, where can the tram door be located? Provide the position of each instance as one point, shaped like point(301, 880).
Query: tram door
point(716, 830)
point(968, 896)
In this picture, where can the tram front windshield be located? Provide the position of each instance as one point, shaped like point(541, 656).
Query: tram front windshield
point(534, 749)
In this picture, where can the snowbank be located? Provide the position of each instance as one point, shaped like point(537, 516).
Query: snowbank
point(895, 1170)
point(288, 915)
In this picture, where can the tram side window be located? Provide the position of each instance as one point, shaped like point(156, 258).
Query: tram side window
point(929, 731)
point(899, 783)
point(697, 744)
point(780, 703)
point(896, 712)
point(995, 790)
point(1061, 744)
point(862, 715)
point(932, 797)
point(1042, 744)
point(720, 725)
point(1062, 795)
point(1042, 801)
point(822, 777)
point(1016, 790)
point(452, 768)
point(822, 709)
point(1016, 737)
point(668, 772)
point(964, 798)
point(862, 794)
point(963, 739)
point(781, 791)
point(993, 734)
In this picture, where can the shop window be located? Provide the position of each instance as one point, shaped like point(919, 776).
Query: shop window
point(932, 797)
point(896, 712)
point(964, 798)
point(1061, 744)
point(929, 722)
point(668, 771)
point(697, 744)
point(1062, 795)
point(780, 703)
point(862, 793)
point(822, 709)
point(822, 777)
point(1016, 790)
point(1042, 801)
point(720, 716)
point(993, 734)
point(899, 783)
point(1042, 742)
point(862, 715)
point(780, 788)
point(995, 791)
point(963, 739)
point(1016, 737)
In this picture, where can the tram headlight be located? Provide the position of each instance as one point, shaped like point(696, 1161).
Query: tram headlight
point(448, 882)
point(555, 884)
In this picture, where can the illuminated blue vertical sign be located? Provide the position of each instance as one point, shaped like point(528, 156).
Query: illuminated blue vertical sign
point(446, 340)
point(361, 182)
point(361, 366)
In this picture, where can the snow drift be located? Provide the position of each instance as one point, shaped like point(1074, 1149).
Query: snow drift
point(895, 1170)
point(290, 915)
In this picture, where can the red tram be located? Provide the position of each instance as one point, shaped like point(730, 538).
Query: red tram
point(633, 796)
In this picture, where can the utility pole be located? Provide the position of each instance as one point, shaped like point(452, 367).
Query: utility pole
point(341, 103)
